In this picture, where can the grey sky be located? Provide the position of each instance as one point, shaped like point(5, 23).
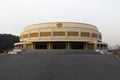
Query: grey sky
point(105, 14)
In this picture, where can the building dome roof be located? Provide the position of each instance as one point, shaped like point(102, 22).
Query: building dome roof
point(61, 24)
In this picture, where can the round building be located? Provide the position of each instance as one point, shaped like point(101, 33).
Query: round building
point(61, 35)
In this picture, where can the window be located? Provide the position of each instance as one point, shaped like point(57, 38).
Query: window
point(58, 33)
point(73, 33)
point(44, 34)
point(94, 35)
point(25, 35)
point(85, 34)
point(34, 34)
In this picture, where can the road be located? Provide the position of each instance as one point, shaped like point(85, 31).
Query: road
point(59, 67)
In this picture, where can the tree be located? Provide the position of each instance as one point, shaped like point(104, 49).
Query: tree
point(7, 41)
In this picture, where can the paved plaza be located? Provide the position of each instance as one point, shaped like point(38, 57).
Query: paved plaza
point(59, 67)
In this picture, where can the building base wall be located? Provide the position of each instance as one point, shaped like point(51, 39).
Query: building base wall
point(61, 45)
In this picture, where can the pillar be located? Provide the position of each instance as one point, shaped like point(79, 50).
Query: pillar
point(49, 45)
point(20, 46)
point(86, 46)
point(67, 45)
point(24, 44)
point(95, 45)
point(33, 45)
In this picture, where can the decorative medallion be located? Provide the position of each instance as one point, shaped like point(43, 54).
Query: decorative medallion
point(59, 24)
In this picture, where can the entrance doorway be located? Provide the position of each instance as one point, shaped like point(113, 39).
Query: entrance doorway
point(77, 45)
point(40, 45)
point(58, 45)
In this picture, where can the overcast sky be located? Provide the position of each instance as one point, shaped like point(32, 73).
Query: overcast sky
point(105, 14)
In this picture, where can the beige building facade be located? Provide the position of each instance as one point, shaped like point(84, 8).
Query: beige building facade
point(61, 35)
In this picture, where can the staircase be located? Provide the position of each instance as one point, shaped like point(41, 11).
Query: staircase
point(61, 52)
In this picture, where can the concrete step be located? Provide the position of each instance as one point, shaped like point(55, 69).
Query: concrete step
point(60, 51)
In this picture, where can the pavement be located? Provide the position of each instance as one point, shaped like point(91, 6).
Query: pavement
point(59, 67)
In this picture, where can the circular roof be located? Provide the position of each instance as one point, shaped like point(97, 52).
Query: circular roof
point(60, 24)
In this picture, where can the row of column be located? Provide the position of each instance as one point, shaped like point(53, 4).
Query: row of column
point(68, 45)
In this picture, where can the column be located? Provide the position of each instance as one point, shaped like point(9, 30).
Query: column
point(33, 45)
point(24, 44)
point(67, 45)
point(29, 35)
point(95, 45)
point(86, 45)
point(49, 45)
